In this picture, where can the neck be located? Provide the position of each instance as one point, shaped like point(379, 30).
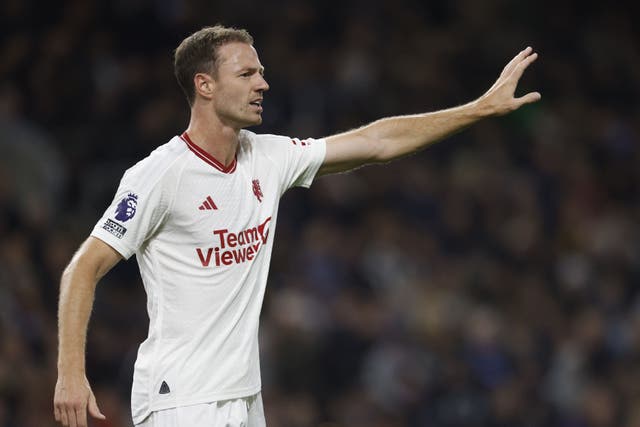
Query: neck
point(212, 135)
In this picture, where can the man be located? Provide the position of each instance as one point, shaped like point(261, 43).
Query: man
point(200, 213)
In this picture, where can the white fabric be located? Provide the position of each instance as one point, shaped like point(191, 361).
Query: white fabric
point(204, 265)
point(242, 412)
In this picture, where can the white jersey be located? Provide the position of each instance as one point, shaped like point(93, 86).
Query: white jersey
point(203, 234)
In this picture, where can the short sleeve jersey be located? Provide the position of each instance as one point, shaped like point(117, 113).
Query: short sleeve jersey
point(202, 234)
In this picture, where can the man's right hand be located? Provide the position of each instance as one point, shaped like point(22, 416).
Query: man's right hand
point(73, 397)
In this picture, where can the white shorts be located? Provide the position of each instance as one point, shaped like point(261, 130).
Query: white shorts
point(242, 412)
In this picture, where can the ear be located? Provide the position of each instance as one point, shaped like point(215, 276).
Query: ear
point(204, 85)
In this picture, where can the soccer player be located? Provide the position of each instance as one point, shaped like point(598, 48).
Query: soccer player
point(199, 213)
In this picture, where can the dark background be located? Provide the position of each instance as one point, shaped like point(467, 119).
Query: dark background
point(490, 280)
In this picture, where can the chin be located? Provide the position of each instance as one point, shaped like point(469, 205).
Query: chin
point(254, 122)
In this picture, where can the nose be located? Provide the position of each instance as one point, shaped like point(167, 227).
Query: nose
point(263, 86)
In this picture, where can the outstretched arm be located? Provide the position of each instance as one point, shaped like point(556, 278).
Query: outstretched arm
point(395, 137)
point(73, 395)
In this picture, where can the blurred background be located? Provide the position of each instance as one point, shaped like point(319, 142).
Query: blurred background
point(490, 280)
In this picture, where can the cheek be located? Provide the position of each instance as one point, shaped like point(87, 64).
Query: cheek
point(226, 99)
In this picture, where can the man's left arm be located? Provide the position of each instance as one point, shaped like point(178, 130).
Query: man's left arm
point(395, 137)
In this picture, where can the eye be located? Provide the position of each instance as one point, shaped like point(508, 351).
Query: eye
point(246, 74)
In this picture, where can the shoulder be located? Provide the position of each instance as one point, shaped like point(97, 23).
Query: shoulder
point(164, 161)
point(248, 138)
point(268, 143)
point(261, 145)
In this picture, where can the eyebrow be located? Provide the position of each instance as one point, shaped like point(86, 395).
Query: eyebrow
point(258, 69)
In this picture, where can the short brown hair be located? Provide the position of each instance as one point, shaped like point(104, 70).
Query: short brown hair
point(198, 53)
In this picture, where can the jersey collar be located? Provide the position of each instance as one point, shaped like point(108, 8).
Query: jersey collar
point(208, 158)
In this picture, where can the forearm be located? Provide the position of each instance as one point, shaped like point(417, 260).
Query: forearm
point(77, 289)
point(396, 137)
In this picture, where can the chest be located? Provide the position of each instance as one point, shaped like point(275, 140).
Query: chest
point(212, 205)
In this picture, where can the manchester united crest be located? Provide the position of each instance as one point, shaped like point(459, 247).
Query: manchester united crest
point(257, 190)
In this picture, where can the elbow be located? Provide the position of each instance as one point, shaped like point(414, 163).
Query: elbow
point(70, 269)
point(70, 272)
point(382, 151)
point(78, 277)
point(80, 267)
point(377, 148)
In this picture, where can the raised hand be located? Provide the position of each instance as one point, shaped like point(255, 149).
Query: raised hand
point(500, 98)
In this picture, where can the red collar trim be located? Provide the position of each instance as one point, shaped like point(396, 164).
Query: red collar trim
point(208, 158)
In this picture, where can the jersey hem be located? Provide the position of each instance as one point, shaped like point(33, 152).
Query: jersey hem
point(197, 400)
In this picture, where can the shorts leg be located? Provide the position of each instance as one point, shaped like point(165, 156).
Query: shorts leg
point(255, 411)
point(163, 418)
point(243, 412)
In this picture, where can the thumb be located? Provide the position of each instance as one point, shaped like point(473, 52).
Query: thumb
point(529, 98)
point(93, 408)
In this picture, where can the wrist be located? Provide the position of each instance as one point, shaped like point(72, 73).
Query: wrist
point(481, 108)
point(71, 374)
point(70, 369)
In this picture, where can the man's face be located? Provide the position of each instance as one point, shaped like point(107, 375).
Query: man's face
point(239, 86)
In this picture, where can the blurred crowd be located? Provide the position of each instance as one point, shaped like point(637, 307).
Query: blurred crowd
point(488, 281)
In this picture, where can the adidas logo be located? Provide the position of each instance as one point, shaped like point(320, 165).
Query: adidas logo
point(208, 204)
point(164, 388)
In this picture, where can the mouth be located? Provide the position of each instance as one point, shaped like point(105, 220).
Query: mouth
point(257, 104)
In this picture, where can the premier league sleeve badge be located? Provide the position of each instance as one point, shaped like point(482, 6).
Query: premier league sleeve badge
point(126, 209)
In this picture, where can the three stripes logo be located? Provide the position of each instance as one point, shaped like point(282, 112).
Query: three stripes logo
point(208, 205)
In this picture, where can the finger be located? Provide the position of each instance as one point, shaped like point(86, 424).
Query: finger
point(508, 69)
point(63, 417)
point(529, 98)
point(81, 417)
point(71, 416)
point(519, 69)
point(94, 410)
point(516, 60)
point(56, 413)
